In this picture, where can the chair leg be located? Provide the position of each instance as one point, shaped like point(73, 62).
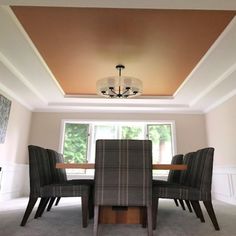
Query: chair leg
point(176, 202)
point(52, 199)
point(149, 220)
point(38, 209)
point(57, 201)
point(84, 211)
point(155, 202)
point(96, 215)
point(188, 205)
point(182, 204)
point(43, 207)
point(143, 216)
point(29, 208)
point(211, 213)
point(91, 204)
point(194, 209)
point(198, 210)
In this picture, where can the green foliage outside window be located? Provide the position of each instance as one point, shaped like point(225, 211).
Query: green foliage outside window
point(159, 133)
point(131, 132)
point(160, 136)
point(75, 143)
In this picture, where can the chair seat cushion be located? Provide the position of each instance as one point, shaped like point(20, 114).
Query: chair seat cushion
point(181, 192)
point(64, 190)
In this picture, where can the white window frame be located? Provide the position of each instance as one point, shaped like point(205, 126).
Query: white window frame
point(105, 122)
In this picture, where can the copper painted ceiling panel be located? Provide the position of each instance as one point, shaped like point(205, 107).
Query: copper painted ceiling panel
point(160, 47)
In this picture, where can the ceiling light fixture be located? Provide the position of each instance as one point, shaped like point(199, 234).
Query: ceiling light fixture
point(119, 86)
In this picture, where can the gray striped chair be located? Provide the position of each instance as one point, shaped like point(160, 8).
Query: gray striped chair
point(123, 176)
point(184, 180)
point(197, 188)
point(59, 176)
point(42, 186)
point(173, 177)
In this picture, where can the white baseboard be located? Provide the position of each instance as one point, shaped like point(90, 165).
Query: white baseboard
point(14, 181)
point(224, 184)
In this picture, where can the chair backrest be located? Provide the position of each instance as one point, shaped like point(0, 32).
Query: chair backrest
point(39, 169)
point(174, 175)
point(201, 174)
point(123, 172)
point(58, 175)
point(185, 174)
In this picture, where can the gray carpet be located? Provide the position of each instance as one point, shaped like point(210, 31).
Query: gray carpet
point(65, 219)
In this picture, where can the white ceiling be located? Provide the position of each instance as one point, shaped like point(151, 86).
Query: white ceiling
point(25, 76)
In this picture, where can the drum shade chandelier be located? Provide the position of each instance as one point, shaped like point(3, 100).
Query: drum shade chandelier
point(119, 86)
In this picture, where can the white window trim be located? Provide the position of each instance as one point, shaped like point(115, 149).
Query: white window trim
point(93, 121)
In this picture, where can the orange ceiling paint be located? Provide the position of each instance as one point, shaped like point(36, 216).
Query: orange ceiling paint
point(160, 47)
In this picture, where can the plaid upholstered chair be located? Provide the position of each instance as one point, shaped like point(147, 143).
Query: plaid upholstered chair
point(123, 176)
point(173, 176)
point(184, 180)
point(42, 186)
point(198, 187)
point(59, 176)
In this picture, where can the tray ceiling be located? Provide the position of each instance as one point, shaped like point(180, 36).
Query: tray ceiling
point(52, 56)
point(160, 47)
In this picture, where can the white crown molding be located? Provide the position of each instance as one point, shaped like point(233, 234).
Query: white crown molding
point(213, 85)
point(220, 101)
point(28, 39)
point(15, 97)
point(205, 57)
point(120, 110)
point(225, 74)
point(21, 77)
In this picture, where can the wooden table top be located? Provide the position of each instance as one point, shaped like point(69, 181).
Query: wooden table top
point(92, 165)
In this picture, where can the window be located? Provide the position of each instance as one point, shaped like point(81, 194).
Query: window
point(79, 138)
point(75, 142)
point(161, 136)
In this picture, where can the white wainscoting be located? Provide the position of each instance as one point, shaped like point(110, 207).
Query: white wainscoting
point(224, 184)
point(14, 181)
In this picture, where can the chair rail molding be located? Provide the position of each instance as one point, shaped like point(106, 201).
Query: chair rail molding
point(224, 184)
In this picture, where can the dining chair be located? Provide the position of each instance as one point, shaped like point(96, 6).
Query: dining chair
point(173, 177)
point(184, 180)
point(198, 187)
point(123, 176)
point(59, 176)
point(42, 186)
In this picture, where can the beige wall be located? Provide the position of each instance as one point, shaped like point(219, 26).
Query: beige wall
point(190, 129)
point(14, 149)
point(221, 130)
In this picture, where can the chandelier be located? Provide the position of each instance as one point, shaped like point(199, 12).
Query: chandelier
point(119, 86)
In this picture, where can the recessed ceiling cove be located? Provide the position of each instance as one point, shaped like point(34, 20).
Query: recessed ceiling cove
point(83, 45)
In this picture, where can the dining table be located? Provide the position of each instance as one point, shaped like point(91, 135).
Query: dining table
point(120, 215)
point(92, 166)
